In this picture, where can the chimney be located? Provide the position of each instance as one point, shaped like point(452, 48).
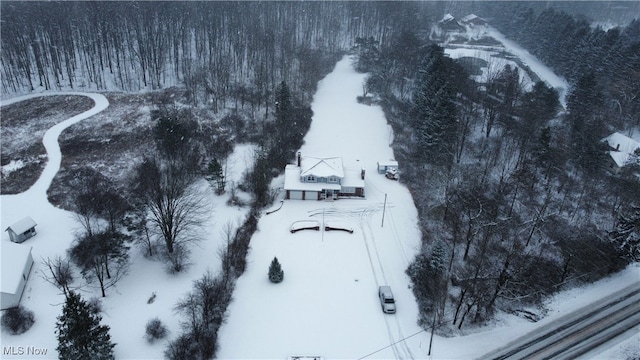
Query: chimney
point(362, 173)
point(618, 147)
point(299, 158)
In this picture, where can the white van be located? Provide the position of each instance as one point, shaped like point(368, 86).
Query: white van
point(387, 301)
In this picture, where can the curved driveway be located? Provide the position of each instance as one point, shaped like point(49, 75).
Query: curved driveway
point(32, 201)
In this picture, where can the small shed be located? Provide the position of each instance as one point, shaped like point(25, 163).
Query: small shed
point(17, 262)
point(22, 230)
point(385, 166)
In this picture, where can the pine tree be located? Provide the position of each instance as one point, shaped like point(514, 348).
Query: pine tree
point(276, 274)
point(285, 122)
point(215, 174)
point(435, 109)
point(80, 335)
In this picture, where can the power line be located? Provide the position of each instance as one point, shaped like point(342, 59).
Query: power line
point(390, 345)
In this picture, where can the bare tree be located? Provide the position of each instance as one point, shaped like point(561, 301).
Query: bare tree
point(102, 256)
point(176, 207)
point(60, 273)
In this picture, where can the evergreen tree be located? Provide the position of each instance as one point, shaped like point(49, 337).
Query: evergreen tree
point(216, 175)
point(428, 273)
point(435, 109)
point(285, 122)
point(584, 106)
point(80, 335)
point(276, 274)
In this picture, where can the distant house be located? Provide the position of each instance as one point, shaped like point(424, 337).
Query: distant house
point(22, 230)
point(621, 150)
point(473, 20)
point(318, 178)
point(448, 23)
point(17, 262)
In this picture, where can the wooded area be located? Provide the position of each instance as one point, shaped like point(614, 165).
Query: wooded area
point(514, 200)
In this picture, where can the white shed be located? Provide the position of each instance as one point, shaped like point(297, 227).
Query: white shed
point(17, 262)
point(22, 230)
point(384, 166)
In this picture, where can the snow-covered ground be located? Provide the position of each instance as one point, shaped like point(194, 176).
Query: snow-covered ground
point(126, 307)
point(327, 304)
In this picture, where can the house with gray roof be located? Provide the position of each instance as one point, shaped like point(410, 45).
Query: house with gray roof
point(320, 178)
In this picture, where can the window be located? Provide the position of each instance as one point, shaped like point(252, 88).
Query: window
point(310, 178)
point(333, 179)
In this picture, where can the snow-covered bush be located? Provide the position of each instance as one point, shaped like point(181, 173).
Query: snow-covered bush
point(155, 330)
point(276, 274)
point(17, 320)
point(95, 305)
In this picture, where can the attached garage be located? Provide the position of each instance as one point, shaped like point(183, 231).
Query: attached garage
point(302, 195)
point(294, 194)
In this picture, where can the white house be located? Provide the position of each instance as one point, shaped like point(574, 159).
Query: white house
point(16, 267)
point(319, 178)
point(621, 150)
point(22, 230)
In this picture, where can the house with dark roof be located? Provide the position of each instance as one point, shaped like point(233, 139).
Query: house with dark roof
point(320, 178)
point(449, 23)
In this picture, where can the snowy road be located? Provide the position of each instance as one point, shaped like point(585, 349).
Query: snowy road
point(578, 332)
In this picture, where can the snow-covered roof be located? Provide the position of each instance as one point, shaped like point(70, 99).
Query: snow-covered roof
point(353, 178)
point(292, 181)
point(447, 18)
point(14, 257)
point(623, 147)
point(393, 163)
point(473, 18)
point(321, 167)
point(22, 225)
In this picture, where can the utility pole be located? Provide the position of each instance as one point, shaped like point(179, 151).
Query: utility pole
point(384, 208)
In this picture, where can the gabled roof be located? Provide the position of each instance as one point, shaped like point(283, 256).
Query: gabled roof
point(14, 258)
point(447, 18)
point(321, 167)
point(622, 146)
point(22, 225)
point(473, 19)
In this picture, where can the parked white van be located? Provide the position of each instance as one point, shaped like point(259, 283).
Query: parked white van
point(387, 301)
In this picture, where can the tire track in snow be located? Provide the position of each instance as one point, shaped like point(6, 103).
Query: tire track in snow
point(362, 216)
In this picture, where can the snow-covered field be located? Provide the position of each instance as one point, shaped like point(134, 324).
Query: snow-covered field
point(327, 304)
point(126, 307)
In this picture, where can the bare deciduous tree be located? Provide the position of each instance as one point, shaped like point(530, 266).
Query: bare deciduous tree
point(176, 206)
point(60, 273)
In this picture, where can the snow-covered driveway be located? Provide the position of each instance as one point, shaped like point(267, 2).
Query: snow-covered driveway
point(327, 305)
point(15, 207)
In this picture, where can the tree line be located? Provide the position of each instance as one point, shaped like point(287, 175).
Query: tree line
point(222, 52)
point(513, 199)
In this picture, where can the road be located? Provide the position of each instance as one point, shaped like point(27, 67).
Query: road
point(578, 332)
